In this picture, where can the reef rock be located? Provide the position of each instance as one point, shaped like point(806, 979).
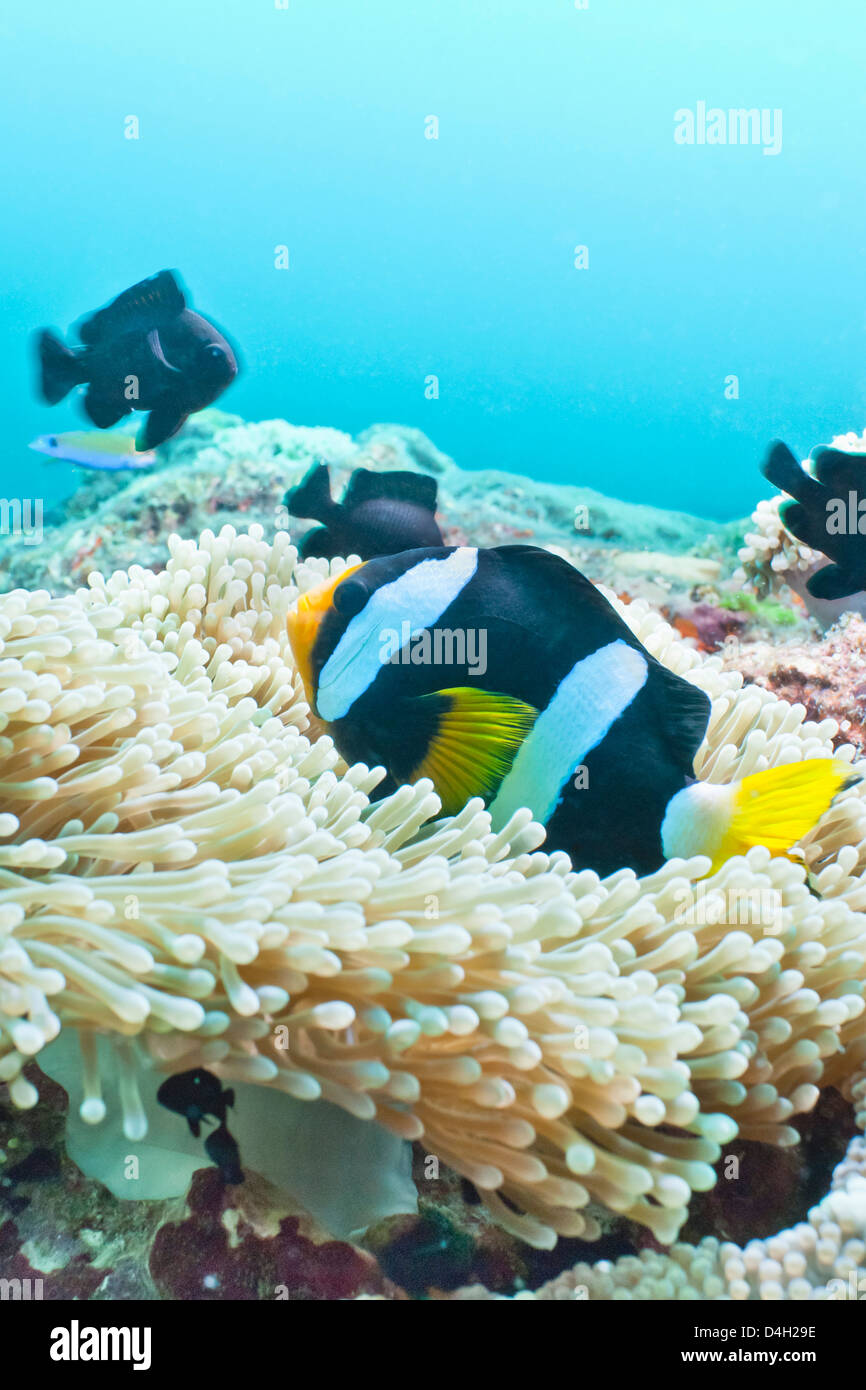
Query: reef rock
point(221, 469)
point(827, 677)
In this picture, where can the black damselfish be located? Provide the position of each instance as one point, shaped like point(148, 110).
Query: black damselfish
point(144, 351)
point(827, 513)
point(222, 1149)
point(505, 674)
point(380, 514)
point(199, 1095)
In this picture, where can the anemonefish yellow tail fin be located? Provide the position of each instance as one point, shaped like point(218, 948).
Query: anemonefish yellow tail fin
point(779, 806)
point(775, 808)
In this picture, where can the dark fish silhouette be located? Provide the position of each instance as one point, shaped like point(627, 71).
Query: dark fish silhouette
point(380, 514)
point(821, 514)
point(222, 1150)
point(199, 1095)
point(144, 351)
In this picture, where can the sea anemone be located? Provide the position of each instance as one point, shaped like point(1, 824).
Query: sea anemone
point(188, 869)
point(820, 1259)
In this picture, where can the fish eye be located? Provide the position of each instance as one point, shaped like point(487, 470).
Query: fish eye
point(215, 351)
point(52, 441)
point(349, 597)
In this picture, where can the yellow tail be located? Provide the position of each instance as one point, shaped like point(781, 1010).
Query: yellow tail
point(775, 808)
point(779, 806)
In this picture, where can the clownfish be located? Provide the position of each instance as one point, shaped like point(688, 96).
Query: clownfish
point(505, 674)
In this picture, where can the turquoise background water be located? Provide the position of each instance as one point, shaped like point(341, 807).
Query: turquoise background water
point(410, 257)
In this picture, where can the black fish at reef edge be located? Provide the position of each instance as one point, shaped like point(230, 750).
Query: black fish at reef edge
point(146, 350)
point(380, 513)
point(825, 514)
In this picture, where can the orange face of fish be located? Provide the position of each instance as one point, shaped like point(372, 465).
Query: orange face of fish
point(304, 622)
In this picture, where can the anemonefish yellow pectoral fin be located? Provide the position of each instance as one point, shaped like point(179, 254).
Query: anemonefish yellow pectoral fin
point(775, 808)
point(473, 739)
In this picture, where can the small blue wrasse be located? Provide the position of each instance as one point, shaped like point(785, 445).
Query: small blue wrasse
point(93, 449)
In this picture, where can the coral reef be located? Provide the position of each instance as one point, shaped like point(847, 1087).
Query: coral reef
point(827, 677)
point(212, 1243)
point(183, 869)
point(232, 1247)
point(221, 469)
point(59, 1228)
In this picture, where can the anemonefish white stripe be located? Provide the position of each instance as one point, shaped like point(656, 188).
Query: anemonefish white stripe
point(419, 596)
point(587, 702)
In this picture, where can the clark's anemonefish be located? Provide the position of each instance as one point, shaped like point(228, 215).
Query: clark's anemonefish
point(505, 674)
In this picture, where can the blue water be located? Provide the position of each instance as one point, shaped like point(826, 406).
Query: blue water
point(413, 257)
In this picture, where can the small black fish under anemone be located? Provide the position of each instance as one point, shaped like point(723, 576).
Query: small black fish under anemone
point(199, 1095)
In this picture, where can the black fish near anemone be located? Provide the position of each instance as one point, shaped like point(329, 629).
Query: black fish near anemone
point(199, 1095)
point(380, 513)
point(827, 513)
point(222, 1150)
point(146, 350)
point(505, 674)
